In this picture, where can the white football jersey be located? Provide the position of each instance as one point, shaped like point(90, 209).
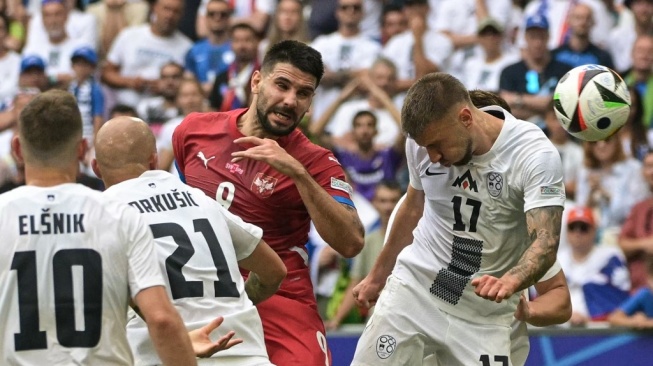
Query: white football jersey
point(199, 244)
point(70, 260)
point(474, 222)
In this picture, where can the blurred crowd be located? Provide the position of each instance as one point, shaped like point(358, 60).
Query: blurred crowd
point(161, 60)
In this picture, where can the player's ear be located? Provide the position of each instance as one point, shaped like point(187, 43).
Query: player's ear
point(465, 116)
point(96, 168)
point(16, 149)
point(255, 81)
point(154, 161)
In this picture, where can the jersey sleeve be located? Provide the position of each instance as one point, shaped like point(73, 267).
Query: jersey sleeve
point(143, 268)
point(413, 173)
point(244, 236)
point(328, 173)
point(117, 52)
point(542, 180)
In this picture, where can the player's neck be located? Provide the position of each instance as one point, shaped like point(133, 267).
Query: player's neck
point(488, 130)
point(48, 177)
point(249, 125)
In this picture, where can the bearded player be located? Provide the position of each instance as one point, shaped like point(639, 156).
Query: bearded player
point(262, 169)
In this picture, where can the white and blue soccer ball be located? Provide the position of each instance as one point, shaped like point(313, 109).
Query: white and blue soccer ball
point(591, 102)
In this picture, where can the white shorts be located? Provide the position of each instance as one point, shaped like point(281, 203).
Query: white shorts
point(407, 326)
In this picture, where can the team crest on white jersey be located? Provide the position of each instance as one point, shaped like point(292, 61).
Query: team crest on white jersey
point(385, 346)
point(494, 183)
point(204, 159)
point(466, 181)
point(263, 184)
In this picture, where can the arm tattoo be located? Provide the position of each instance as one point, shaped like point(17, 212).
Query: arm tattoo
point(357, 220)
point(543, 224)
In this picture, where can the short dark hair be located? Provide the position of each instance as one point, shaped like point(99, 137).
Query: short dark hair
point(244, 26)
point(482, 98)
point(390, 184)
point(364, 113)
point(49, 124)
point(123, 109)
point(390, 8)
point(430, 99)
point(297, 54)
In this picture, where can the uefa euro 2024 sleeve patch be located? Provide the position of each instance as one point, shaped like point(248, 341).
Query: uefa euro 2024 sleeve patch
point(341, 185)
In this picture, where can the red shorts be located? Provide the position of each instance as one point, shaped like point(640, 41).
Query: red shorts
point(294, 333)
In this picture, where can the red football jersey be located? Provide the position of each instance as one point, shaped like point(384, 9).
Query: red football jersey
point(253, 190)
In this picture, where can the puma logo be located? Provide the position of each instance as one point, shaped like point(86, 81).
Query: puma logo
point(204, 159)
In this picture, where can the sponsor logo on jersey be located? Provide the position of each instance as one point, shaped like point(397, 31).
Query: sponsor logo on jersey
point(341, 185)
point(466, 181)
point(550, 191)
point(385, 346)
point(234, 168)
point(430, 173)
point(263, 185)
point(204, 159)
point(152, 185)
point(494, 183)
point(50, 197)
point(334, 159)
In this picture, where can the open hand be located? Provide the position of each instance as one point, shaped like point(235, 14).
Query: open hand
point(202, 344)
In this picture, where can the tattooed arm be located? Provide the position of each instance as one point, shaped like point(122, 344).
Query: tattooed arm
point(543, 225)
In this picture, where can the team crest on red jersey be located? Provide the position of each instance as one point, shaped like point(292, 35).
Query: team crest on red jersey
point(263, 185)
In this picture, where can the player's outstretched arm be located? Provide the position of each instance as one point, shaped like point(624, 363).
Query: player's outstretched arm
point(552, 306)
point(204, 347)
point(409, 212)
point(166, 328)
point(337, 223)
point(267, 271)
point(543, 224)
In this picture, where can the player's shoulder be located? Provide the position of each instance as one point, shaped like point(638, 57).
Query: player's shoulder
point(305, 151)
point(209, 122)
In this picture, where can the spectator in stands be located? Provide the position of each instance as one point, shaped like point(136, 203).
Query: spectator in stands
point(636, 237)
point(122, 110)
point(231, 89)
point(113, 16)
point(345, 53)
point(156, 110)
point(378, 87)
point(256, 13)
point(557, 12)
point(623, 36)
point(483, 70)
point(32, 73)
point(640, 76)
point(528, 85)
point(386, 196)
point(190, 98)
point(137, 54)
point(79, 26)
point(394, 22)
point(419, 50)
point(637, 311)
point(211, 56)
point(322, 19)
point(609, 182)
point(87, 92)
point(633, 134)
point(12, 170)
point(570, 151)
point(9, 64)
point(578, 49)
point(596, 275)
point(16, 20)
point(57, 47)
point(287, 23)
point(459, 21)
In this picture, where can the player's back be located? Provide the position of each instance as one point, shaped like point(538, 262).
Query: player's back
point(65, 268)
point(193, 236)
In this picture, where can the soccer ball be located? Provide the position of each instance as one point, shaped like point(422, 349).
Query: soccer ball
point(591, 102)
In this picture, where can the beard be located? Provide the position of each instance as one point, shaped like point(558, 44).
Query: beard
point(268, 127)
point(469, 154)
